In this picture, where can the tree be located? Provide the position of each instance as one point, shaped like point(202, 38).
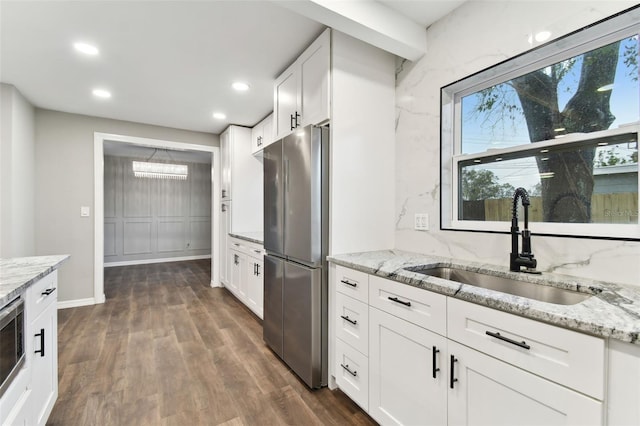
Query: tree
point(566, 197)
point(482, 185)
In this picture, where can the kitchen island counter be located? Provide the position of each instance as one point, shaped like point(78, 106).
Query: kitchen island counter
point(613, 311)
point(16, 274)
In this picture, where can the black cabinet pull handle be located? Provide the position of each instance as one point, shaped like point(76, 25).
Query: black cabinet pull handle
point(434, 369)
point(297, 116)
point(497, 335)
point(346, 367)
point(254, 268)
point(224, 193)
point(48, 291)
point(235, 259)
point(349, 283)
point(452, 379)
point(224, 207)
point(259, 140)
point(402, 302)
point(346, 318)
point(41, 334)
point(257, 269)
point(292, 121)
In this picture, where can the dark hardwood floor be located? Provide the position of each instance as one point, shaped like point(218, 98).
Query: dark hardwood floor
point(166, 348)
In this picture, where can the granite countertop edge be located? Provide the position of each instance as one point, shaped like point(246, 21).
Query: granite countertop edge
point(612, 312)
point(17, 274)
point(252, 237)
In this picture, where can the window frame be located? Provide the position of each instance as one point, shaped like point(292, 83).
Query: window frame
point(619, 26)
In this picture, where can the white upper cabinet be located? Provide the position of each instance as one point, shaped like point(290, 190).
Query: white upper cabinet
point(262, 135)
point(301, 93)
point(241, 178)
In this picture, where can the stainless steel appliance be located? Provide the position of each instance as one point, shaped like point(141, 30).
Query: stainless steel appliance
point(295, 240)
point(11, 342)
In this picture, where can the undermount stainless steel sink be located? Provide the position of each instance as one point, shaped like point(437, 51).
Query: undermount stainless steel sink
point(529, 290)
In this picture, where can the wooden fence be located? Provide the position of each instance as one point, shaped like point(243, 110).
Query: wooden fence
point(605, 208)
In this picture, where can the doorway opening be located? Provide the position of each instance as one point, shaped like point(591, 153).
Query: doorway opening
point(167, 233)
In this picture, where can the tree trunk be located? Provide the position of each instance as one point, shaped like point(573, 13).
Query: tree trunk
point(567, 177)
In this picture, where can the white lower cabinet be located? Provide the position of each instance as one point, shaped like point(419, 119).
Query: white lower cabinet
point(246, 281)
point(255, 284)
point(45, 364)
point(30, 398)
point(407, 374)
point(487, 391)
point(436, 360)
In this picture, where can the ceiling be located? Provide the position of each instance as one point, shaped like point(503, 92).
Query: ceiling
point(168, 63)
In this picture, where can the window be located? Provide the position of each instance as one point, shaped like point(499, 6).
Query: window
point(561, 121)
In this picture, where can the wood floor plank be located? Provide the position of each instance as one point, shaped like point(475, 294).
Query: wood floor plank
point(167, 349)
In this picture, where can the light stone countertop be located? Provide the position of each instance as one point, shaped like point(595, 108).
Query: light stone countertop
point(613, 311)
point(253, 237)
point(16, 274)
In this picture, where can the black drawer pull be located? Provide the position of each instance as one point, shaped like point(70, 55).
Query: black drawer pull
point(349, 283)
point(434, 369)
point(452, 379)
point(497, 335)
point(402, 302)
point(346, 367)
point(48, 291)
point(346, 318)
point(41, 334)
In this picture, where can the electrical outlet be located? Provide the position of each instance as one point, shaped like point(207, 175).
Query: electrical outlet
point(421, 222)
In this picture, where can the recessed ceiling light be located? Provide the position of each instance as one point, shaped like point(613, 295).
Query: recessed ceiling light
point(499, 159)
point(219, 116)
point(101, 93)
point(477, 161)
point(87, 49)
point(542, 36)
point(603, 143)
point(559, 129)
point(544, 150)
point(240, 86)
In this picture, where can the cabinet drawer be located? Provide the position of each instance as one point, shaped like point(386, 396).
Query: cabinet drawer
point(352, 283)
point(352, 373)
point(352, 322)
point(41, 294)
point(572, 359)
point(421, 307)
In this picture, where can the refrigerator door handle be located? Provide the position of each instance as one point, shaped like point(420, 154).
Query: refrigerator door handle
point(286, 175)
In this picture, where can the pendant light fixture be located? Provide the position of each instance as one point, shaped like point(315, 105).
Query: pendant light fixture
point(148, 169)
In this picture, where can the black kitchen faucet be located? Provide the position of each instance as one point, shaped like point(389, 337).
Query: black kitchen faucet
point(526, 259)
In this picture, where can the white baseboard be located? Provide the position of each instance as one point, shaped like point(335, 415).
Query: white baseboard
point(149, 261)
point(77, 302)
point(216, 284)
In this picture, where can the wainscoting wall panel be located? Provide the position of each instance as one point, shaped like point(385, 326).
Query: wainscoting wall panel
point(149, 219)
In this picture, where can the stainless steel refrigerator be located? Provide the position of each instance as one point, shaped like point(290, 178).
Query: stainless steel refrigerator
point(295, 240)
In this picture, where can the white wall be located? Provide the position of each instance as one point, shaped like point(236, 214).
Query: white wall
point(17, 164)
point(475, 36)
point(64, 182)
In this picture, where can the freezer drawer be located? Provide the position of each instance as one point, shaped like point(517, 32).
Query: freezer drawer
point(302, 322)
point(272, 322)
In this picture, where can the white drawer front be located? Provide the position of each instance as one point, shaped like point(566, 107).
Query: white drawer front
point(421, 307)
point(352, 373)
point(352, 283)
point(567, 357)
point(41, 294)
point(352, 322)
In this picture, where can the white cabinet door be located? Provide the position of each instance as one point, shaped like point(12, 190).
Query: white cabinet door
point(314, 81)
point(44, 365)
point(237, 272)
point(285, 102)
point(267, 131)
point(225, 165)
point(403, 360)
point(255, 285)
point(21, 413)
point(486, 391)
point(225, 227)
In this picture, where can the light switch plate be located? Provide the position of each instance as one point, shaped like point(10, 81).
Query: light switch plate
point(84, 211)
point(421, 222)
